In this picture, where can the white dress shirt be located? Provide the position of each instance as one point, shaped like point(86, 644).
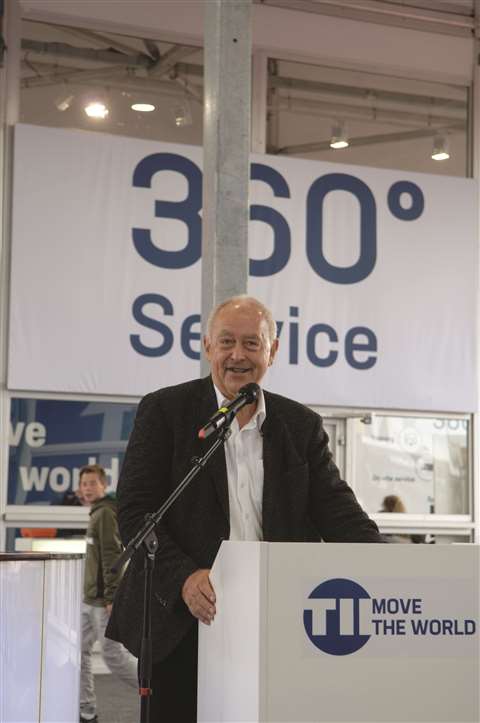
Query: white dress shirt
point(244, 458)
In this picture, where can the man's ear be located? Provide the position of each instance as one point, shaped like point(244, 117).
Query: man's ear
point(273, 351)
point(206, 345)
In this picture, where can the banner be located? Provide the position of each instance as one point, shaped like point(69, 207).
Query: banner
point(371, 274)
point(50, 440)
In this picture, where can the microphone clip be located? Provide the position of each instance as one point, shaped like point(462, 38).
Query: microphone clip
point(223, 418)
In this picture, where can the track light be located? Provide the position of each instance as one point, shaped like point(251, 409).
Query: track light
point(96, 109)
point(440, 148)
point(63, 102)
point(143, 107)
point(182, 114)
point(339, 137)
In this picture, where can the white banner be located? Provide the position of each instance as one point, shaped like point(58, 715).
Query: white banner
point(371, 274)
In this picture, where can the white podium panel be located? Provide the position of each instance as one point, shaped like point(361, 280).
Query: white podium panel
point(350, 633)
point(62, 640)
point(40, 646)
point(21, 602)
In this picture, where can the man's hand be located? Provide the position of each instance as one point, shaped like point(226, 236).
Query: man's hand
point(108, 608)
point(199, 596)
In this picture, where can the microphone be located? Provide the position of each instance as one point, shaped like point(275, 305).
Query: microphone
point(246, 395)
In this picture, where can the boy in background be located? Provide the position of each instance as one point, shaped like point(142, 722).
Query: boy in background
point(100, 584)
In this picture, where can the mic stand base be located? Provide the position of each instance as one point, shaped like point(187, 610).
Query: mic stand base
point(150, 545)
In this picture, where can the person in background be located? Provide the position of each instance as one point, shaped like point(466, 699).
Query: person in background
point(100, 584)
point(393, 503)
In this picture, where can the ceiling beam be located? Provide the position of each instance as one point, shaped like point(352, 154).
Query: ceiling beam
point(62, 50)
point(383, 12)
point(169, 60)
point(152, 48)
point(351, 92)
point(68, 75)
point(362, 141)
point(100, 39)
point(342, 111)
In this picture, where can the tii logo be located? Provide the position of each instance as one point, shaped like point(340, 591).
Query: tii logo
point(341, 617)
point(332, 620)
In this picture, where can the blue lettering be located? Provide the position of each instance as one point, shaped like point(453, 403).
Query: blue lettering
point(187, 336)
point(419, 626)
point(417, 201)
point(281, 230)
point(416, 605)
point(378, 607)
point(186, 211)
point(331, 334)
point(470, 627)
point(368, 229)
point(140, 316)
point(352, 346)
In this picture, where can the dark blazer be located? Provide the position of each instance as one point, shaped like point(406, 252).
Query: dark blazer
point(304, 499)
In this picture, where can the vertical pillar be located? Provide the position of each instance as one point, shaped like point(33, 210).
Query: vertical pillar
point(226, 151)
point(9, 113)
point(474, 149)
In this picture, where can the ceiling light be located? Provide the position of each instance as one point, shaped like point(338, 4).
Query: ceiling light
point(143, 107)
point(440, 148)
point(339, 137)
point(182, 114)
point(96, 109)
point(63, 102)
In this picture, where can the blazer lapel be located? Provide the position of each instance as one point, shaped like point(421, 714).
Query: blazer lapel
point(282, 467)
point(273, 465)
point(216, 467)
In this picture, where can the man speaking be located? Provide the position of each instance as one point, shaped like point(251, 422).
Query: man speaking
point(274, 480)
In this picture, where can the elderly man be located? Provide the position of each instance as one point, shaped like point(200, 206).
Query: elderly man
point(274, 480)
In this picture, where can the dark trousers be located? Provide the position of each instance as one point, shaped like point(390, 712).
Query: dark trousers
point(174, 683)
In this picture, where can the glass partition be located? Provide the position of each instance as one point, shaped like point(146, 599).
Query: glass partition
point(413, 465)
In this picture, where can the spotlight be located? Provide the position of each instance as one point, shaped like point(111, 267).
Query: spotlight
point(182, 114)
point(339, 137)
point(96, 109)
point(143, 107)
point(63, 102)
point(440, 148)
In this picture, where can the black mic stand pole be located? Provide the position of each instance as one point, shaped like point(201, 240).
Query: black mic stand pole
point(147, 538)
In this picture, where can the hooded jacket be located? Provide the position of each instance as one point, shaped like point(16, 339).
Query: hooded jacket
point(103, 548)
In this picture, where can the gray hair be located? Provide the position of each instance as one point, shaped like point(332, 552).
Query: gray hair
point(244, 298)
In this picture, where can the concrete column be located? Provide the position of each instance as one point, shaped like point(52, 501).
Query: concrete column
point(474, 149)
point(9, 114)
point(226, 151)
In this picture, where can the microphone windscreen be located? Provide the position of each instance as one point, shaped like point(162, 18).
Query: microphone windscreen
point(250, 391)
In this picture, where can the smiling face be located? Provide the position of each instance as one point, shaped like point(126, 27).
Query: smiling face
point(238, 347)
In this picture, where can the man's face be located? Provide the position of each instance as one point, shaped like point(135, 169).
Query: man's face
point(91, 487)
point(238, 349)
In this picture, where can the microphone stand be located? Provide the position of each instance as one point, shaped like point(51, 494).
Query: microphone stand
point(147, 539)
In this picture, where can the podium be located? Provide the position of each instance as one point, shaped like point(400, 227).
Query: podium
point(40, 637)
point(342, 632)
